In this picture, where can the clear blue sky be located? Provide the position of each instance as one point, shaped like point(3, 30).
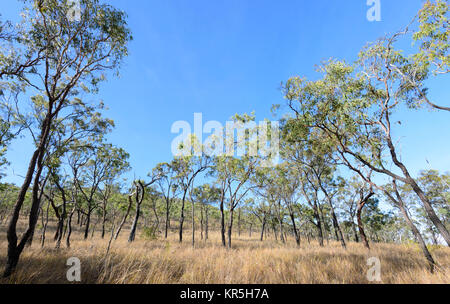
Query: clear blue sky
point(224, 57)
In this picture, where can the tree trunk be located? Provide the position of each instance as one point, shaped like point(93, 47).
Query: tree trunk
point(355, 233)
point(426, 203)
point(60, 231)
point(431, 214)
point(399, 202)
point(193, 224)
point(130, 202)
point(104, 220)
point(361, 205)
point(294, 228)
point(222, 224)
point(361, 227)
point(69, 229)
point(239, 223)
point(230, 227)
point(419, 237)
point(280, 221)
point(274, 231)
point(156, 216)
point(44, 225)
point(318, 225)
point(14, 249)
point(337, 227)
point(262, 228)
point(181, 218)
point(88, 222)
point(140, 192)
point(167, 219)
point(206, 223)
point(201, 223)
point(132, 236)
point(134, 225)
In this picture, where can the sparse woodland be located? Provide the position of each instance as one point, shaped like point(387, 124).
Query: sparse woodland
point(339, 194)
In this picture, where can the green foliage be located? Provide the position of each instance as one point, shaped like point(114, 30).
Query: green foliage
point(150, 233)
point(433, 36)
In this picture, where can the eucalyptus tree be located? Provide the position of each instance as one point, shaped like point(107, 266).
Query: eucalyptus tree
point(433, 35)
point(56, 57)
point(291, 195)
point(297, 151)
point(437, 189)
point(236, 170)
point(154, 197)
point(375, 219)
point(329, 186)
point(107, 193)
point(431, 58)
point(205, 195)
point(348, 198)
point(307, 221)
point(233, 176)
point(125, 217)
point(310, 192)
point(68, 135)
point(115, 161)
point(246, 218)
point(280, 213)
point(286, 183)
point(76, 159)
point(393, 193)
point(213, 194)
point(363, 200)
point(261, 209)
point(352, 107)
point(355, 194)
point(44, 222)
point(60, 182)
point(269, 188)
point(139, 195)
point(168, 187)
point(141, 187)
point(313, 159)
point(104, 160)
point(187, 166)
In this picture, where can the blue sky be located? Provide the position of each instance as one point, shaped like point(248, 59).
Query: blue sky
point(224, 57)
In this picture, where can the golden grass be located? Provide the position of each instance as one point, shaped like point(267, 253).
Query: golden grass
point(250, 261)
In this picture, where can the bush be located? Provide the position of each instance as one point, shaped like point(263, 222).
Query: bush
point(150, 233)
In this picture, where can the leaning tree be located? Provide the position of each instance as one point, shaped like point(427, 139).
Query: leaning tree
point(56, 57)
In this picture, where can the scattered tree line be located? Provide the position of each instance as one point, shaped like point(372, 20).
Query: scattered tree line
point(338, 156)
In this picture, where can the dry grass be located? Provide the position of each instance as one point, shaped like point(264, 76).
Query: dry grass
point(253, 262)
